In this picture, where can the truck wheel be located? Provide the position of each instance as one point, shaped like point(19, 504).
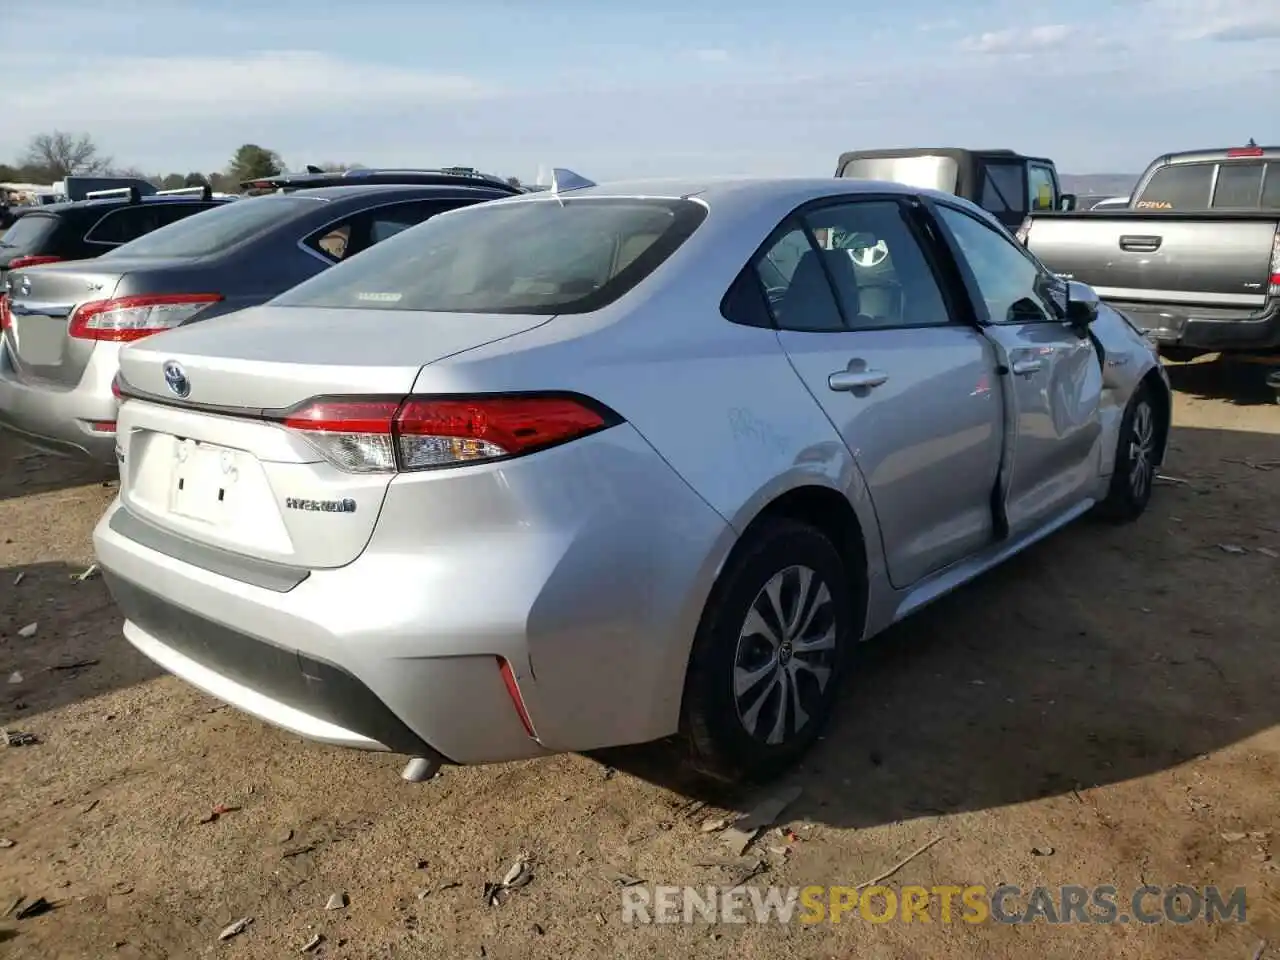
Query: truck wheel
point(1135, 467)
point(769, 654)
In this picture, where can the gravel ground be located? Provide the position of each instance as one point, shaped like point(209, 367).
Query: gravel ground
point(1101, 711)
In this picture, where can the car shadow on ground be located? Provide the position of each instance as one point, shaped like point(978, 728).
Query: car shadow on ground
point(28, 471)
point(76, 651)
point(1088, 660)
point(1243, 384)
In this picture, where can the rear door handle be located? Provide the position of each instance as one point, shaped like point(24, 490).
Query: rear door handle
point(1137, 244)
point(1024, 368)
point(856, 379)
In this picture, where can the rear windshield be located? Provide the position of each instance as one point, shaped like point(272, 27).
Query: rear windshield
point(216, 229)
point(27, 231)
point(542, 256)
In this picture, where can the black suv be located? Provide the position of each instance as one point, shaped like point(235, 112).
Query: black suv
point(83, 229)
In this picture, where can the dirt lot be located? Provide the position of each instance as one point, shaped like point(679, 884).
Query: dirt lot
point(1110, 700)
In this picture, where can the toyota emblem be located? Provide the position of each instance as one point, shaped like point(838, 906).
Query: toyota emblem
point(176, 378)
point(25, 286)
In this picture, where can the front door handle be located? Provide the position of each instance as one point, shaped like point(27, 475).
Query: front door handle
point(856, 379)
point(1025, 368)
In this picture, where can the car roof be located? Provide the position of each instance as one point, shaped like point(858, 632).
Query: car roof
point(103, 203)
point(719, 190)
point(391, 189)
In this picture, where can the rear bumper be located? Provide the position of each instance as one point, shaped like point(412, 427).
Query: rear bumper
point(58, 418)
point(585, 568)
point(313, 697)
point(1207, 329)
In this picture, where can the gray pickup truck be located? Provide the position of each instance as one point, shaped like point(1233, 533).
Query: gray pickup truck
point(1195, 259)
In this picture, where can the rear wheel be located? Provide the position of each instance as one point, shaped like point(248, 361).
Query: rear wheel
point(769, 653)
point(1136, 458)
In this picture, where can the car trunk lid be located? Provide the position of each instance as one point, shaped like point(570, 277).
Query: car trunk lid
point(41, 301)
point(204, 453)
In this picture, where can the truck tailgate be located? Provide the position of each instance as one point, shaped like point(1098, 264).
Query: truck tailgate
point(1207, 260)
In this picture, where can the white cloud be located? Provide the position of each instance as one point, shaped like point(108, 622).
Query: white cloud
point(1016, 40)
point(1225, 20)
point(712, 55)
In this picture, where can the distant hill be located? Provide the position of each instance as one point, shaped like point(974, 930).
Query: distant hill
point(1098, 184)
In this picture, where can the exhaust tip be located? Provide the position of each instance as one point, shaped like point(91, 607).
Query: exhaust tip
point(420, 769)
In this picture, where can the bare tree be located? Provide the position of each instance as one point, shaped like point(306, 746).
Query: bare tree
point(62, 154)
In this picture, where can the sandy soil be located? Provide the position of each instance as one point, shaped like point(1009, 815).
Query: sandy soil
point(1110, 699)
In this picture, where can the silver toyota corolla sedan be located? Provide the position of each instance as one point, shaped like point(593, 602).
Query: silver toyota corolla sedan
point(597, 467)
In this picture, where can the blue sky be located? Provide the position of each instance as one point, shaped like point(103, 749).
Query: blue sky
point(667, 88)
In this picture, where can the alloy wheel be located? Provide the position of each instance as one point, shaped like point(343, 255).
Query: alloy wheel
point(785, 655)
point(1141, 450)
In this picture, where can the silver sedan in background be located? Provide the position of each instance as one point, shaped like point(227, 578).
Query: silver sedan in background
point(597, 467)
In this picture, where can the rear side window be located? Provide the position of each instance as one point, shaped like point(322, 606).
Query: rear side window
point(345, 238)
point(28, 232)
point(535, 256)
point(1183, 186)
point(170, 212)
point(217, 229)
point(1239, 185)
point(121, 226)
point(1271, 187)
point(1003, 190)
point(881, 276)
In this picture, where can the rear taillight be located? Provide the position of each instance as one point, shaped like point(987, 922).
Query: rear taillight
point(1275, 266)
point(17, 263)
point(420, 433)
point(132, 318)
point(1024, 230)
point(4, 312)
point(115, 388)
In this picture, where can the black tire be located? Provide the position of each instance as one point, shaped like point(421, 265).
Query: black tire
point(718, 732)
point(1141, 430)
point(1180, 354)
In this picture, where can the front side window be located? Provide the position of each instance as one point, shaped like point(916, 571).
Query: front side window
point(528, 256)
point(881, 275)
point(1011, 284)
point(1040, 186)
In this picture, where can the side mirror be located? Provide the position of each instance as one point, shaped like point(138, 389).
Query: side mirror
point(1067, 202)
point(1082, 305)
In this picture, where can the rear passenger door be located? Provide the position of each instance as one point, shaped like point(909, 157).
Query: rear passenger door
point(865, 318)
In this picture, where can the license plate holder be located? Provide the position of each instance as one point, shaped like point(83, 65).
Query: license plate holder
point(203, 482)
